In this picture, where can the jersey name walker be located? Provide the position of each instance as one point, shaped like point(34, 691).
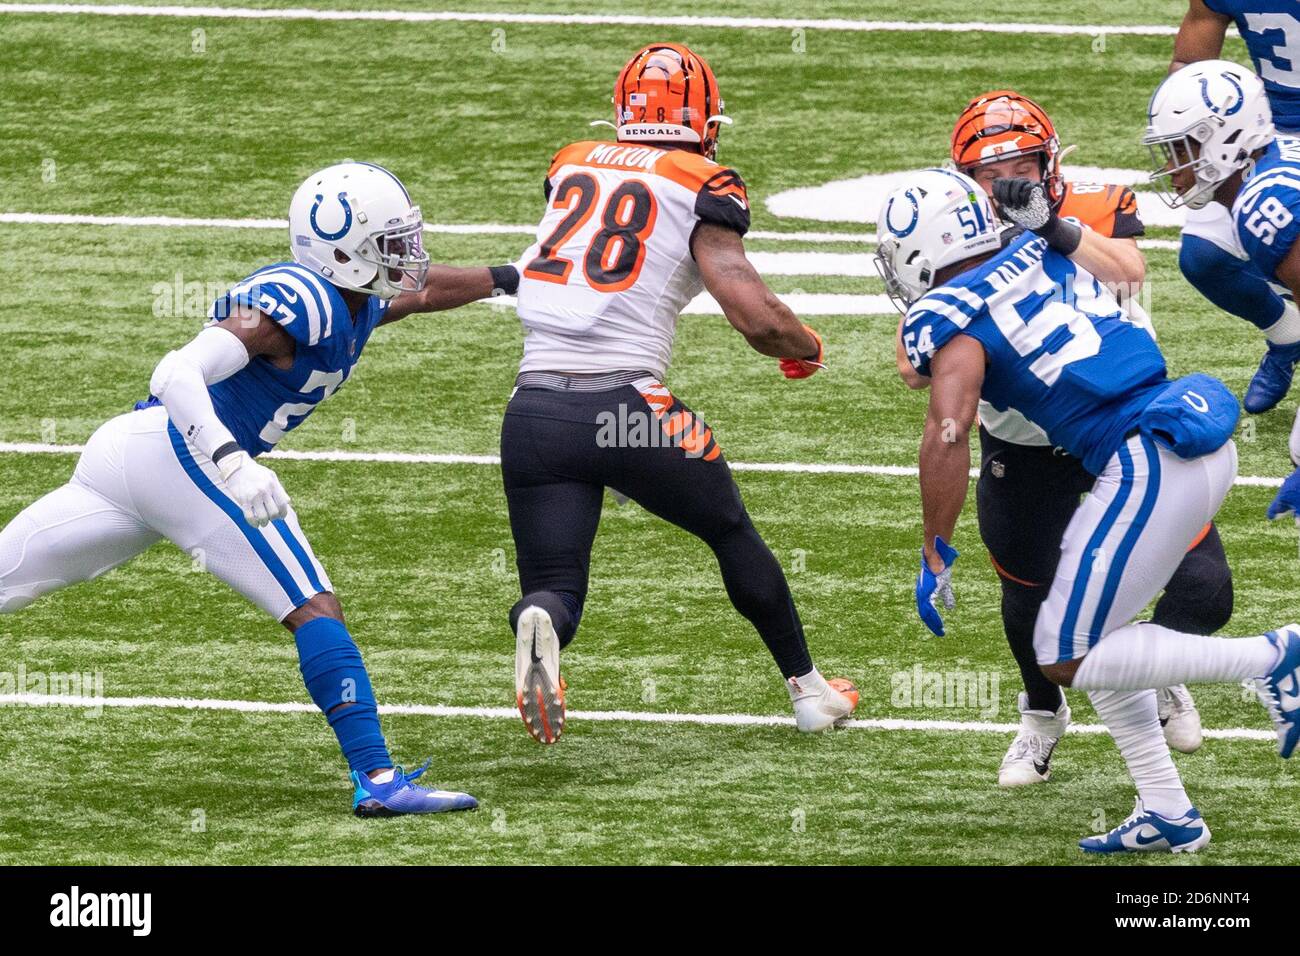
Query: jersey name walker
point(261, 402)
point(1266, 210)
point(1271, 29)
point(1060, 349)
point(611, 270)
point(1108, 210)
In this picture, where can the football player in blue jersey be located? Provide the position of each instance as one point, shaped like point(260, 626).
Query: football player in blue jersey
point(1210, 127)
point(183, 465)
point(1022, 326)
point(1212, 257)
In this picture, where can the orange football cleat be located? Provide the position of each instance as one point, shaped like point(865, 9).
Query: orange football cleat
point(539, 688)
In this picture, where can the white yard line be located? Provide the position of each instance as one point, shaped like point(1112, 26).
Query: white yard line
point(509, 713)
point(427, 458)
point(593, 19)
point(460, 229)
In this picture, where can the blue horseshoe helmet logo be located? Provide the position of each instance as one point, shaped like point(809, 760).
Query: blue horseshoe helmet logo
point(1227, 111)
point(347, 218)
point(916, 215)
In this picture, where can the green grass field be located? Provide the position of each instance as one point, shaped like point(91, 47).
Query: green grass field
point(140, 116)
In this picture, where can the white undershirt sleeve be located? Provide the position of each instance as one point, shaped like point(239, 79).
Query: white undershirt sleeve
point(181, 383)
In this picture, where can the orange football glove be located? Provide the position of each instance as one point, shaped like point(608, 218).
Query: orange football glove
point(802, 368)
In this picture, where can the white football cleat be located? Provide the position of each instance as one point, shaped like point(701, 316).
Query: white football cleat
point(1029, 758)
point(539, 688)
point(1179, 718)
point(820, 703)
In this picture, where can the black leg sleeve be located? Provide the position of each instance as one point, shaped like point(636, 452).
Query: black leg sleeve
point(1198, 598)
point(692, 487)
point(553, 518)
point(1026, 496)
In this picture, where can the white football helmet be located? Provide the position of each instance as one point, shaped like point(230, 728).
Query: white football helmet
point(355, 225)
point(1219, 106)
point(938, 217)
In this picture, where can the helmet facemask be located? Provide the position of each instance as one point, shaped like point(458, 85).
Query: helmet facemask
point(1182, 152)
point(901, 293)
point(1206, 119)
point(399, 258)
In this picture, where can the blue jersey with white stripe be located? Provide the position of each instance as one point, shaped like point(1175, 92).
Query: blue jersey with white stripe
point(1267, 210)
point(261, 402)
point(1060, 349)
point(1271, 29)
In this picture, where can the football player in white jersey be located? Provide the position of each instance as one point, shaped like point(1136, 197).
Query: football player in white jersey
point(1022, 326)
point(183, 465)
point(634, 229)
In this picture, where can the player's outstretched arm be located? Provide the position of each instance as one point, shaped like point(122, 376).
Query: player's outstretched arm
point(450, 287)
point(1115, 260)
point(957, 373)
point(750, 306)
point(1200, 35)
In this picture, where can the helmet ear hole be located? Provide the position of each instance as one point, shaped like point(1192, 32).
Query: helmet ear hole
point(341, 256)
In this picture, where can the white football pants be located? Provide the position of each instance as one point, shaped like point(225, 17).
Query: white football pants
point(139, 481)
point(1126, 540)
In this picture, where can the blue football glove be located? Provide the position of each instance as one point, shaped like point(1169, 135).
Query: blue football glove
point(930, 585)
point(1288, 498)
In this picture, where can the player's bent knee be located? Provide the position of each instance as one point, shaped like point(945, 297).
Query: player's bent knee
point(1062, 672)
point(1200, 260)
point(1020, 604)
point(322, 605)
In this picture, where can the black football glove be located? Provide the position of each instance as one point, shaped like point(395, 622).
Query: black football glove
point(1025, 203)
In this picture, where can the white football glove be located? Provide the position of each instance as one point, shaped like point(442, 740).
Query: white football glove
point(255, 488)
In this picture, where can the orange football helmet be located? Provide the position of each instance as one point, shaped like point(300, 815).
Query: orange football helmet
point(667, 92)
point(1002, 124)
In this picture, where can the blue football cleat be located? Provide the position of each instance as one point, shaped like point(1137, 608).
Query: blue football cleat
point(1273, 378)
point(400, 796)
point(1287, 499)
point(1146, 831)
point(1279, 692)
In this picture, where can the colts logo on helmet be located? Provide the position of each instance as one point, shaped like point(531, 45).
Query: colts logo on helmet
point(1227, 110)
point(916, 214)
point(347, 218)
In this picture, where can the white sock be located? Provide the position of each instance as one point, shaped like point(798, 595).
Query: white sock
point(384, 776)
point(811, 683)
point(1143, 655)
point(1286, 330)
point(1133, 721)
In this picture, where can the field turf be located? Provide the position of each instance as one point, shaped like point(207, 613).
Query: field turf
point(141, 116)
